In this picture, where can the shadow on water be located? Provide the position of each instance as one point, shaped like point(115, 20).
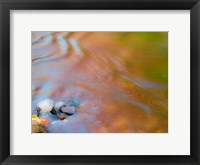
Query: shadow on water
point(120, 79)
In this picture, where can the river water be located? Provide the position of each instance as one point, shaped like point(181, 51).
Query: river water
point(119, 78)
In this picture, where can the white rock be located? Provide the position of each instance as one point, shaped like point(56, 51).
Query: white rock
point(45, 105)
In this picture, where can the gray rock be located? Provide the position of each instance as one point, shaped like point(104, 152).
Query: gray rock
point(70, 110)
point(58, 105)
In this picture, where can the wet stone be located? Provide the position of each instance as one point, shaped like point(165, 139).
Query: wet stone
point(62, 117)
point(58, 105)
point(70, 110)
point(45, 105)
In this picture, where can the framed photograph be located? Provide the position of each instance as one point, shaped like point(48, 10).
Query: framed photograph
point(99, 82)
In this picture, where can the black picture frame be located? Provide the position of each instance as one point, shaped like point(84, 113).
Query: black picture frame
point(7, 5)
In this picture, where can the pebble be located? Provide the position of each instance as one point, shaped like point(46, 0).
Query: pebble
point(68, 110)
point(45, 105)
point(62, 117)
point(58, 105)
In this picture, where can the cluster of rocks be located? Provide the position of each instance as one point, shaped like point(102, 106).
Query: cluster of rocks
point(46, 109)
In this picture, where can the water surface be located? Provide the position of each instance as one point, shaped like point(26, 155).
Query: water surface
point(119, 78)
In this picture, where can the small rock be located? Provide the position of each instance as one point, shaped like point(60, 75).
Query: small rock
point(62, 117)
point(45, 105)
point(58, 105)
point(45, 121)
point(68, 110)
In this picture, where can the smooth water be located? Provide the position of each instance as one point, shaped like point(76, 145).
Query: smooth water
point(119, 78)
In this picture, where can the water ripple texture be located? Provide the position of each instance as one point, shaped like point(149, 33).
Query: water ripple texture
point(119, 78)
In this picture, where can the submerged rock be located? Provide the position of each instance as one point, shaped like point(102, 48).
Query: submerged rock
point(59, 114)
point(73, 102)
point(47, 115)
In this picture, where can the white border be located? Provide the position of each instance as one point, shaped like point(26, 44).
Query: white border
point(176, 142)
